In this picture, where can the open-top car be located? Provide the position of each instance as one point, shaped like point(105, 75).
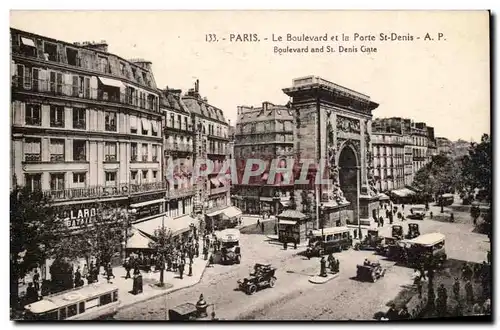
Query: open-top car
point(370, 270)
point(417, 213)
point(397, 232)
point(413, 231)
point(371, 241)
point(262, 276)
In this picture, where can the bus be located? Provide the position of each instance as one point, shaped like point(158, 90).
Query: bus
point(89, 302)
point(446, 199)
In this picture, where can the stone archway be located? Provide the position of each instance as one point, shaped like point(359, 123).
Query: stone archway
point(348, 178)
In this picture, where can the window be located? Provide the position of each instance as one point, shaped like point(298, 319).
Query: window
point(50, 51)
point(56, 116)
point(122, 69)
point(110, 121)
point(28, 47)
point(185, 126)
point(154, 128)
point(72, 56)
point(144, 126)
point(56, 150)
point(110, 152)
point(62, 314)
point(178, 122)
point(32, 150)
point(57, 181)
point(155, 153)
point(144, 152)
point(171, 120)
point(110, 178)
point(23, 77)
point(79, 177)
point(329, 238)
point(133, 176)
point(33, 181)
point(79, 118)
point(104, 299)
point(72, 311)
point(133, 152)
point(83, 87)
point(155, 174)
point(103, 65)
point(145, 77)
point(79, 148)
point(145, 175)
point(33, 114)
point(133, 125)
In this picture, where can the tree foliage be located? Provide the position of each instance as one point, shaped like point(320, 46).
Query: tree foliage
point(441, 175)
point(35, 233)
point(477, 166)
point(163, 241)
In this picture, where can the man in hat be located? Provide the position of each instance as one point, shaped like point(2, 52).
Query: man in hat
point(469, 292)
point(78, 277)
point(323, 267)
point(456, 288)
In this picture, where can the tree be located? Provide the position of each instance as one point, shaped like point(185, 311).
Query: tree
point(477, 166)
point(102, 237)
point(439, 176)
point(35, 234)
point(163, 244)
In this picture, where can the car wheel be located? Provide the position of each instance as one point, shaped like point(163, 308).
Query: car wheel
point(252, 289)
point(356, 246)
point(238, 259)
point(374, 277)
point(272, 282)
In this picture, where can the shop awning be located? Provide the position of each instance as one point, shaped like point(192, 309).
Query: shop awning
point(111, 82)
point(148, 227)
point(287, 222)
point(215, 182)
point(214, 213)
point(180, 225)
point(138, 241)
point(292, 214)
point(383, 197)
point(28, 42)
point(232, 212)
point(405, 192)
point(133, 122)
point(156, 201)
point(144, 124)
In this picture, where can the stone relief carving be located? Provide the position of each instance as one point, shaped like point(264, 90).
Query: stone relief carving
point(371, 189)
point(348, 125)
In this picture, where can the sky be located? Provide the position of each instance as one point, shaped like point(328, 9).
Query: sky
point(444, 83)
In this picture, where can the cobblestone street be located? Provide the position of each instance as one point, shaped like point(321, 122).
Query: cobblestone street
point(294, 297)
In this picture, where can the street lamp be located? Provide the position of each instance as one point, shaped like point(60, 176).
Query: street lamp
point(322, 221)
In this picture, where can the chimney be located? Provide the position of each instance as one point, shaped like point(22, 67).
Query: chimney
point(101, 46)
point(197, 86)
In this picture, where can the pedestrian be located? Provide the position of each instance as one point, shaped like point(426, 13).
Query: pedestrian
point(181, 269)
point(419, 287)
point(431, 214)
point(381, 220)
point(36, 280)
point(275, 229)
point(355, 233)
point(295, 245)
point(262, 227)
point(197, 249)
point(452, 217)
point(78, 278)
point(258, 223)
point(323, 267)
point(211, 260)
point(402, 207)
point(392, 313)
point(190, 268)
point(31, 294)
point(337, 266)
point(331, 261)
point(456, 289)
point(285, 245)
point(469, 292)
point(403, 314)
point(109, 272)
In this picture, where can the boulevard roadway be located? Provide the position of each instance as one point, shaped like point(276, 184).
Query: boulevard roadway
point(294, 297)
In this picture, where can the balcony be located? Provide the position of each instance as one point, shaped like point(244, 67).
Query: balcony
point(178, 147)
point(110, 158)
point(79, 157)
point(219, 190)
point(181, 192)
point(56, 123)
point(33, 121)
point(79, 124)
point(110, 128)
point(120, 190)
point(216, 152)
point(144, 158)
point(57, 158)
point(32, 157)
point(69, 90)
point(218, 137)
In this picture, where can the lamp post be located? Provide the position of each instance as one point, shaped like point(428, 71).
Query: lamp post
point(321, 220)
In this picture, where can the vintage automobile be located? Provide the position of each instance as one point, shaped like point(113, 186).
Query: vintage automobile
point(413, 231)
point(370, 270)
point(427, 248)
point(371, 241)
point(263, 276)
point(417, 213)
point(230, 252)
point(397, 232)
point(328, 240)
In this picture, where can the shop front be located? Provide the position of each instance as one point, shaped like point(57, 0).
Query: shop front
point(181, 228)
point(145, 207)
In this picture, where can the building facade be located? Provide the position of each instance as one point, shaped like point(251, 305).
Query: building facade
point(264, 133)
point(419, 147)
point(211, 140)
point(389, 160)
point(86, 127)
point(178, 154)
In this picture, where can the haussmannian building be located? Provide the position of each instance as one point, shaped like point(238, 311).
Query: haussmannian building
point(86, 127)
point(265, 133)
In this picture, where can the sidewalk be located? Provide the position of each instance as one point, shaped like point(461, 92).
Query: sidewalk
point(150, 280)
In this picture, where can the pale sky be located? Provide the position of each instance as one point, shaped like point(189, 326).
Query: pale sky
point(445, 83)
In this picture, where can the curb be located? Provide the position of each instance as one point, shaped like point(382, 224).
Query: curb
point(168, 291)
point(322, 280)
